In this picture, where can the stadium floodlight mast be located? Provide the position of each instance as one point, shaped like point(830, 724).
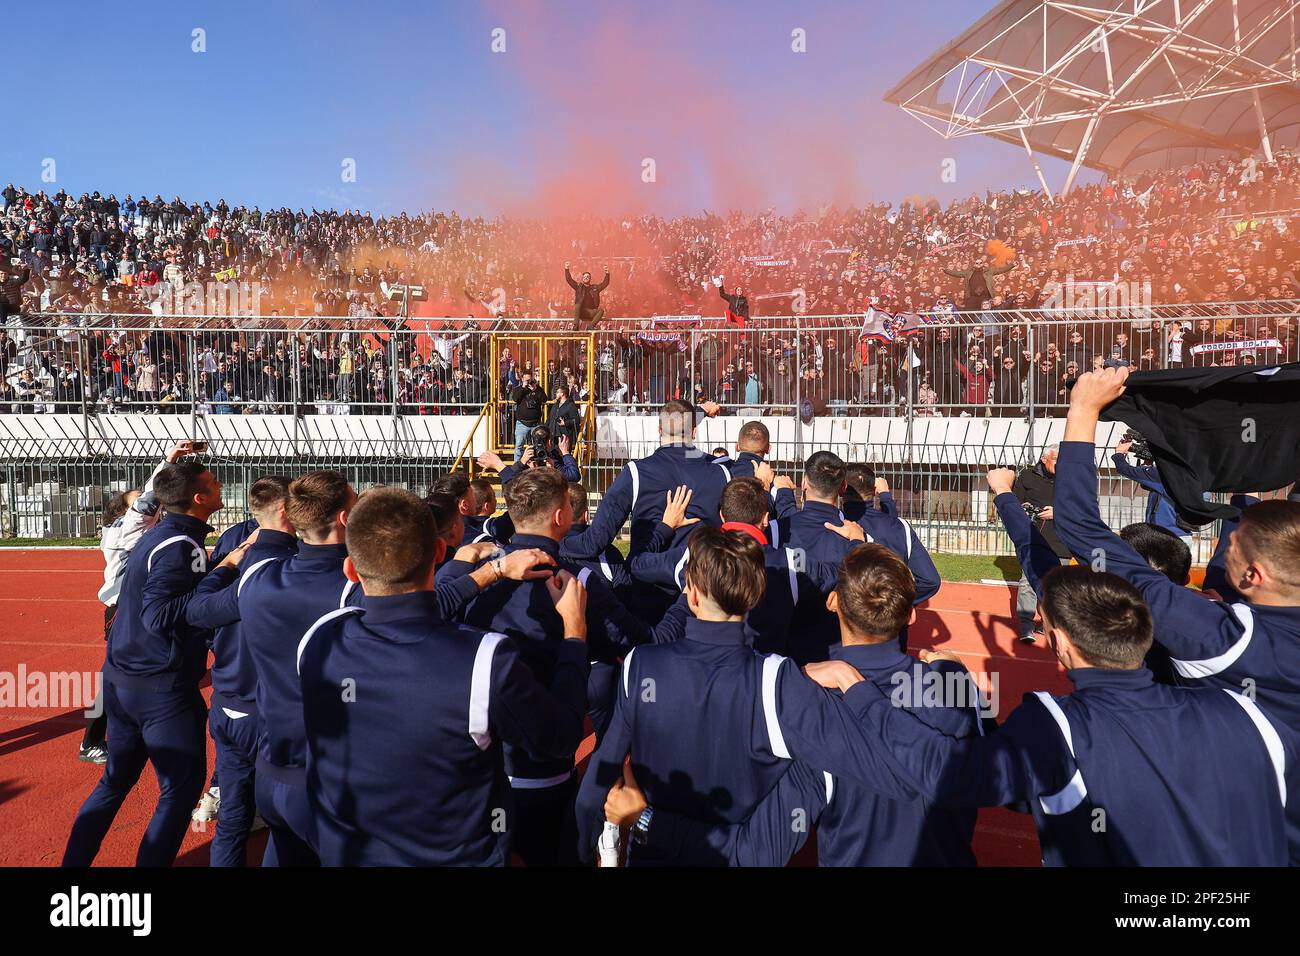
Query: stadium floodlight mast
point(406, 294)
point(1116, 84)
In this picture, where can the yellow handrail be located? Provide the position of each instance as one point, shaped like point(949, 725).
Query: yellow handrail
point(469, 441)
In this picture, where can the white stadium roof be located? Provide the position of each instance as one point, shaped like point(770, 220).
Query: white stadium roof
point(1118, 85)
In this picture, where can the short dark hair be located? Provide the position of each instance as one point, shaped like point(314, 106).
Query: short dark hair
point(1160, 548)
point(266, 491)
point(392, 540)
point(754, 436)
point(315, 500)
point(484, 493)
point(744, 500)
point(578, 498)
point(117, 506)
point(535, 493)
point(728, 567)
point(445, 510)
point(876, 591)
point(824, 472)
point(861, 480)
point(177, 483)
point(454, 483)
point(1105, 616)
point(677, 418)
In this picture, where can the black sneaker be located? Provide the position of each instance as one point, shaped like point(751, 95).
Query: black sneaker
point(1029, 633)
point(95, 753)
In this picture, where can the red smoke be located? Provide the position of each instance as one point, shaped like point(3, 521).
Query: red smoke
point(671, 82)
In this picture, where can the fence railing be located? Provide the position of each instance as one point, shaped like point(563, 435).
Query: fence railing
point(932, 400)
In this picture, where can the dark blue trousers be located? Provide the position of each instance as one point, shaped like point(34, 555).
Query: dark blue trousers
point(162, 727)
point(288, 815)
point(236, 740)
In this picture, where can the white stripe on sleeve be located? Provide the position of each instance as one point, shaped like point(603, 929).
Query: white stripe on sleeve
point(480, 690)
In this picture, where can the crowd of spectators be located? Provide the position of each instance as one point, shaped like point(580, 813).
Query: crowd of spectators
point(79, 273)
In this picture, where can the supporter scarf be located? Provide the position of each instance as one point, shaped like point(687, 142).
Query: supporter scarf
point(753, 531)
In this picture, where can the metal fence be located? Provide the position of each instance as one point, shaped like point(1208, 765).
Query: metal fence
point(91, 402)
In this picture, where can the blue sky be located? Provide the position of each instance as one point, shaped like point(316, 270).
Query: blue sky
point(412, 91)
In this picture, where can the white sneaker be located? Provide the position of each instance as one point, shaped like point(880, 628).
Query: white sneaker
point(208, 806)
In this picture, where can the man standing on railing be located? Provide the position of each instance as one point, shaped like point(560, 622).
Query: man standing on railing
point(978, 281)
point(586, 298)
point(737, 303)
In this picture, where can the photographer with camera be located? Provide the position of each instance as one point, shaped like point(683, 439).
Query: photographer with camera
point(1035, 488)
point(543, 451)
point(1160, 510)
point(530, 402)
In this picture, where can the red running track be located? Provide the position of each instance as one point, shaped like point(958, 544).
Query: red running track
point(55, 624)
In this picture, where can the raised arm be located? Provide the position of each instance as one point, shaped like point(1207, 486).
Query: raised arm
point(613, 512)
point(921, 565)
point(1196, 632)
point(1036, 556)
point(814, 725)
point(1144, 475)
point(1019, 762)
point(660, 568)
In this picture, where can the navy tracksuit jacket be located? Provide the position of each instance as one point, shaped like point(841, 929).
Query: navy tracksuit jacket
point(759, 713)
point(1232, 645)
point(1160, 510)
point(152, 667)
point(856, 825)
point(1237, 646)
point(232, 538)
point(897, 535)
point(790, 582)
point(233, 721)
point(711, 679)
point(497, 528)
point(639, 491)
point(410, 772)
point(815, 629)
point(1122, 772)
point(742, 466)
point(609, 562)
point(523, 611)
point(278, 604)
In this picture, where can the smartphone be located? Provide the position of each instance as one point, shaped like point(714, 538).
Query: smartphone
point(199, 447)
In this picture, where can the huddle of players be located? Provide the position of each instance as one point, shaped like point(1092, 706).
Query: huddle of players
point(418, 697)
